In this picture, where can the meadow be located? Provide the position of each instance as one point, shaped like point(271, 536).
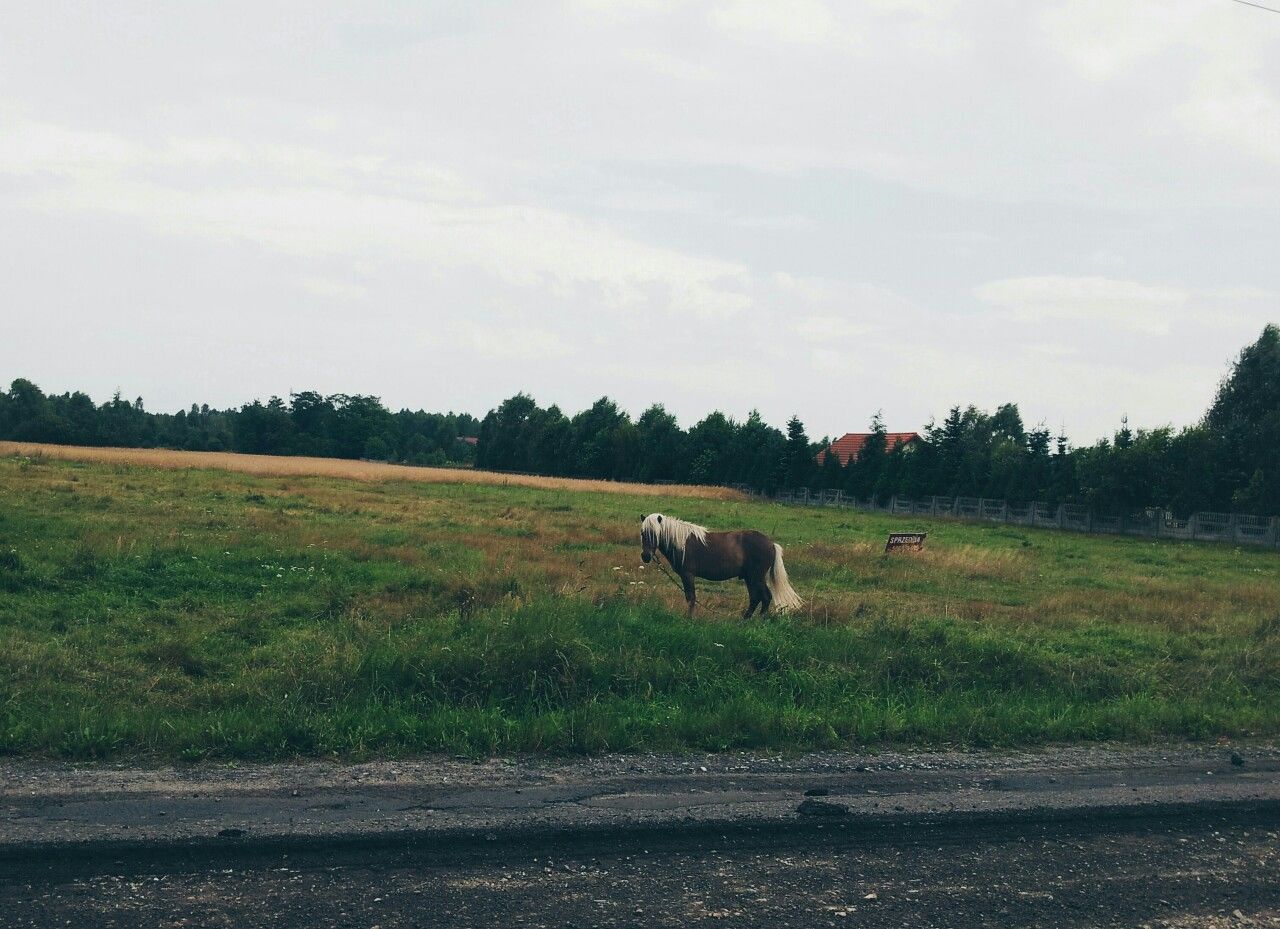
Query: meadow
point(148, 608)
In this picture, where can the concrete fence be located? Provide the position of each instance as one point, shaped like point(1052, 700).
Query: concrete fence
point(1152, 523)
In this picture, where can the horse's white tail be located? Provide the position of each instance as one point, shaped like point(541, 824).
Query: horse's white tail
point(784, 597)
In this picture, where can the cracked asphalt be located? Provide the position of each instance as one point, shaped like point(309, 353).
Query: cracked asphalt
point(60, 807)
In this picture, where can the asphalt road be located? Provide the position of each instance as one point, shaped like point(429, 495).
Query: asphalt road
point(56, 809)
point(1212, 869)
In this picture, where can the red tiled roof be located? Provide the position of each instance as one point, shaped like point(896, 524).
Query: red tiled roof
point(850, 444)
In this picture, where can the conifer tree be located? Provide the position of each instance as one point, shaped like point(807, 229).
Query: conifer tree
point(800, 467)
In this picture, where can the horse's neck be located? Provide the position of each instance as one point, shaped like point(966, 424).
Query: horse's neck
point(670, 552)
point(676, 555)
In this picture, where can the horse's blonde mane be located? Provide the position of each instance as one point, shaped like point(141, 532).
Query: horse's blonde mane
point(672, 534)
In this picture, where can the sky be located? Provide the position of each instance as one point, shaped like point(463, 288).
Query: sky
point(825, 209)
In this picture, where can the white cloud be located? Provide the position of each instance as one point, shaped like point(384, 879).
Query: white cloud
point(29, 148)
point(829, 361)
point(1238, 111)
point(1103, 39)
point(1221, 95)
point(306, 204)
point(333, 289)
point(669, 65)
point(1121, 304)
point(514, 343)
point(827, 328)
point(802, 21)
point(1245, 294)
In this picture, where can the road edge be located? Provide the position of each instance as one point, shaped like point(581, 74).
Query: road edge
point(464, 840)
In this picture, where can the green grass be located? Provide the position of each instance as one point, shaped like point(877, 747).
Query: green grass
point(194, 614)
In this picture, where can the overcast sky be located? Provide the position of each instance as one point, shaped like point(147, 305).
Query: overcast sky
point(825, 209)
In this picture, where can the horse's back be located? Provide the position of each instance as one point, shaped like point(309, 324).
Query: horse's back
point(738, 553)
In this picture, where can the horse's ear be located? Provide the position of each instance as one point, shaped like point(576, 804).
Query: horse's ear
point(642, 519)
point(659, 517)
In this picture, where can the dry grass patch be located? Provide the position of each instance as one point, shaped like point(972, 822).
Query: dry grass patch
point(976, 562)
point(1173, 610)
point(282, 465)
point(844, 554)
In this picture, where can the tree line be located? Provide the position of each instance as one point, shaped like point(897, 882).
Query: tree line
point(309, 423)
point(1228, 461)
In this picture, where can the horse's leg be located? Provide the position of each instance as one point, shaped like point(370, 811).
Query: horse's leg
point(753, 591)
point(766, 595)
point(689, 594)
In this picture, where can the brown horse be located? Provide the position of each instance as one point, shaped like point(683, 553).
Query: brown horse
point(720, 556)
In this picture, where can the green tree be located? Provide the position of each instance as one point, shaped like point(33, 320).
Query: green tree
point(800, 467)
point(602, 441)
point(708, 447)
point(831, 471)
point(865, 468)
point(263, 428)
point(501, 432)
point(1244, 419)
point(29, 417)
point(660, 446)
point(756, 453)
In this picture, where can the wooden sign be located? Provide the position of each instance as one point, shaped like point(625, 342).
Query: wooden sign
point(908, 541)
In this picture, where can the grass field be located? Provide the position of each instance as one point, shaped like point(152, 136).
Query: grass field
point(206, 613)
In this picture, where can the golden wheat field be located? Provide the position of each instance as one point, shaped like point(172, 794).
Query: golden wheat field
point(298, 466)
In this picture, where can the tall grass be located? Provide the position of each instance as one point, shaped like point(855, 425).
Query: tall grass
point(189, 614)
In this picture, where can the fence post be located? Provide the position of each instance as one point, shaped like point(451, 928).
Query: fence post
point(933, 505)
point(1004, 510)
point(1062, 509)
point(1193, 523)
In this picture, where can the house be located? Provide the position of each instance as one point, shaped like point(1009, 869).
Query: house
point(850, 444)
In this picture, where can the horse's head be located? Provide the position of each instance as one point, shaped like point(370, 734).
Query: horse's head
point(650, 526)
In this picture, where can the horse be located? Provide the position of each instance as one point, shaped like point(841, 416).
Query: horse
point(720, 556)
